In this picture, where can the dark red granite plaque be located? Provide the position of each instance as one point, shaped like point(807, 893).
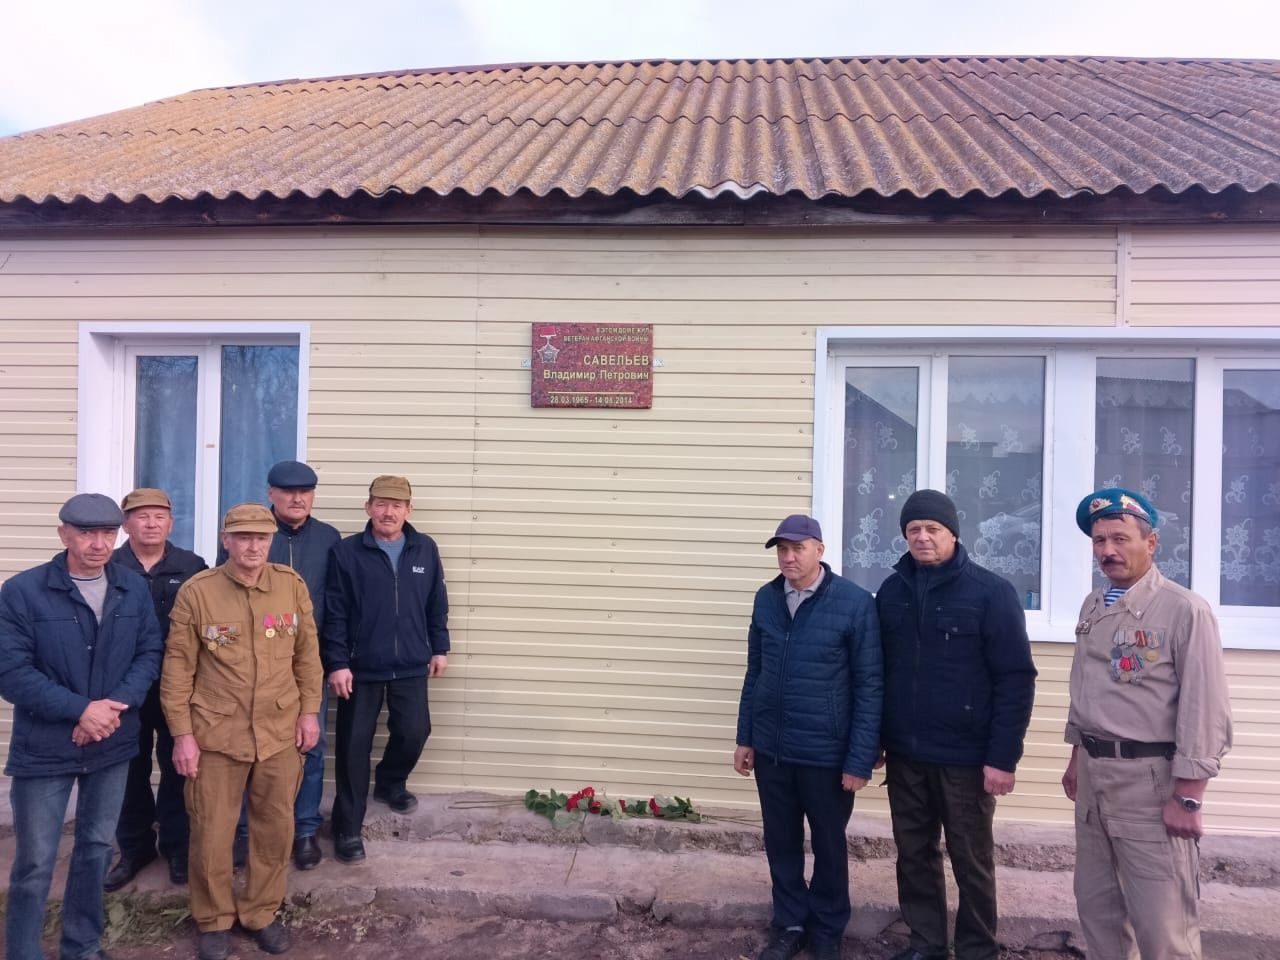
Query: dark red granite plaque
point(592, 365)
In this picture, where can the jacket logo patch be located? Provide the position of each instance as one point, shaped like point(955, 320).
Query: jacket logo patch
point(419, 569)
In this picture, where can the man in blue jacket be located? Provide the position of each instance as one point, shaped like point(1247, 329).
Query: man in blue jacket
point(809, 727)
point(386, 632)
point(959, 683)
point(79, 649)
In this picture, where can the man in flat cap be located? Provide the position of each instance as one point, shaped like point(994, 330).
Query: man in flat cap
point(1149, 724)
point(79, 648)
point(302, 542)
point(148, 520)
point(959, 685)
point(809, 727)
point(386, 632)
point(241, 689)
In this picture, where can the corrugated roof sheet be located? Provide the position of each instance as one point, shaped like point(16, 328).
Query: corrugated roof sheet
point(838, 127)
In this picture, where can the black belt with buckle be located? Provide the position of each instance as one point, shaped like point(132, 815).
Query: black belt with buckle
point(1125, 749)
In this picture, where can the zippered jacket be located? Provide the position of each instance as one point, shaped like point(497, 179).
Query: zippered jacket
point(959, 679)
point(165, 579)
point(307, 550)
point(55, 658)
point(384, 624)
point(813, 688)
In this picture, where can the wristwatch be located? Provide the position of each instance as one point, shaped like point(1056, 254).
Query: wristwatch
point(1189, 804)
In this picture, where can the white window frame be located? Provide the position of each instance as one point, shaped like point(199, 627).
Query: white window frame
point(104, 434)
point(1066, 559)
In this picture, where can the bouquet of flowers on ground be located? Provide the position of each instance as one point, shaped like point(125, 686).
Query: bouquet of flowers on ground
point(563, 809)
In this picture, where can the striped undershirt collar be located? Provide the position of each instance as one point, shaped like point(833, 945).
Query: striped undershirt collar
point(1113, 594)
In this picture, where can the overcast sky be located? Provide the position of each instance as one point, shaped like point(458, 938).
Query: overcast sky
point(70, 59)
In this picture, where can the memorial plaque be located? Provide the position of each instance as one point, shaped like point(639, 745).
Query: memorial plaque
point(592, 365)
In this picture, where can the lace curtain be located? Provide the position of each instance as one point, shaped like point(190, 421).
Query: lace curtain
point(1250, 488)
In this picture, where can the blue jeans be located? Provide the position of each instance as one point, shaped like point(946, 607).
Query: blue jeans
point(306, 807)
point(39, 805)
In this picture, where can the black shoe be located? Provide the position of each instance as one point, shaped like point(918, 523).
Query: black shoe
point(397, 798)
point(784, 945)
point(306, 853)
point(826, 950)
point(348, 849)
point(215, 945)
point(240, 852)
point(273, 938)
point(917, 955)
point(126, 869)
point(178, 869)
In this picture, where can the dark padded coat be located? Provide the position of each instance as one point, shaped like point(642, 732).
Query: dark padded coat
point(55, 658)
point(959, 679)
point(813, 689)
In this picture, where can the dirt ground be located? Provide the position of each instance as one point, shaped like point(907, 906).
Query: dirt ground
point(373, 937)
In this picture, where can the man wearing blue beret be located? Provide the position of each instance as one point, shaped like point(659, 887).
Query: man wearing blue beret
point(79, 648)
point(1149, 724)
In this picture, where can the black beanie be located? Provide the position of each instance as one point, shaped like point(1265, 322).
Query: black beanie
point(930, 505)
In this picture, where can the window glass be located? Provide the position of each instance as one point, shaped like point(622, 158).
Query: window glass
point(995, 464)
point(165, 436)
point(880, 416)
point(1251, 488)
point(1144, 420)
point(259, 419)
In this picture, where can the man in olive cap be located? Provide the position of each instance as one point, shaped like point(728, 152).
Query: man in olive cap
point(959, 685)
point(386, 632)
point(241, 689)
point(302, 542)
point(1149, 724)
point(79, 648)
point(148, 520)
point(809, 728)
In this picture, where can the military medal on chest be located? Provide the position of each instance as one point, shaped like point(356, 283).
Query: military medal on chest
point(217, 635)
point(1134, 651)
point(269, 622)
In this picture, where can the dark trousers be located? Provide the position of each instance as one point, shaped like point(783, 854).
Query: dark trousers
point(924, 800)
point(790, 794)
point(408, 726)
point(142, 812)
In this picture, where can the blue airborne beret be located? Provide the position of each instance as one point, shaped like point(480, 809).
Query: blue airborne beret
point(1114, 502)
point(291, 475)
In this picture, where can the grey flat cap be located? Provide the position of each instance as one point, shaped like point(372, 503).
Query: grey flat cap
point(291, 475)
point(90, 511)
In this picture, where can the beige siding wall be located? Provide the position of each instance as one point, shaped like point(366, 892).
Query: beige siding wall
point(601, 563)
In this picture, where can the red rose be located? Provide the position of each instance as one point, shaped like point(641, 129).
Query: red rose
point(654, 808)
point(595, 806)
point(587, 792)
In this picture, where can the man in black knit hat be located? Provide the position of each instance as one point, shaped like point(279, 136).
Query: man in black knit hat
point(959, 683)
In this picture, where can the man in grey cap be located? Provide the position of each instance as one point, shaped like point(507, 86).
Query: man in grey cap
point(79, 648)
point(148, 520)
point(302, 542)
point(809, 727)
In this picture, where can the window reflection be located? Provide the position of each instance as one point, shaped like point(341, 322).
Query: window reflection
point(1251, 488)
point(879, 468)
point(165, 436)
point(259, 419)
point(995, 464)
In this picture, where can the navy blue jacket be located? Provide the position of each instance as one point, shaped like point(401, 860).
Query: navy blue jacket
point(55, 658)
point(384, 624)
point(959, 679)
point(812, 693)
point(165, 579)
point(306, 549)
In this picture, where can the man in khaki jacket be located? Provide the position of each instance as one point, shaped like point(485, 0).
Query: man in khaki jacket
point(241, 690)
point(1149, 724)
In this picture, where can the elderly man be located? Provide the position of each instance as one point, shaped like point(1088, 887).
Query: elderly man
point(241, 689)
point(959, 684)
point(386, 632)
point(302, 542)
point(809, 726)
point(79, 648)
point(1149, 724)
point(148, 520)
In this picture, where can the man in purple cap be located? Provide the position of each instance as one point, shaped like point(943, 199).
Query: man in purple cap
point(809, 727)
point(1149, 724)
point(79, 648)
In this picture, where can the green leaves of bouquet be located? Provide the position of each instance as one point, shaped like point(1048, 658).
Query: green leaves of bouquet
point(564, 809)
